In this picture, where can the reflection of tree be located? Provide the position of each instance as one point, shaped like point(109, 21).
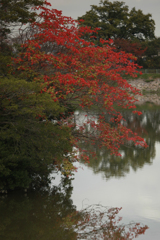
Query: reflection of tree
point(147, 126)
point(50, 214)
point(99, 222)
point(39, 215)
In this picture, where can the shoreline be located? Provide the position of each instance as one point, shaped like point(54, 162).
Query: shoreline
point(150, 90)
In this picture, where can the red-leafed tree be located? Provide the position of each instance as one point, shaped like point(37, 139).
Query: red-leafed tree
point(78, 74)
point(130, 47)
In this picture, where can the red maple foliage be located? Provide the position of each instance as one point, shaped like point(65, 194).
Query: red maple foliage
point(99, 222)
point(79, 74)
point(129, 47)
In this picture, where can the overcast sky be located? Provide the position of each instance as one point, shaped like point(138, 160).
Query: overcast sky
point(76, 8)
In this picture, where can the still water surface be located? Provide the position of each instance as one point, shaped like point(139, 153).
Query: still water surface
point(131, 182)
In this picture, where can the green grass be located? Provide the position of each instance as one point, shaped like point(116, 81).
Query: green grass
point(147, 107)
point(144, 92)
point(145, 76)
point(148, 80)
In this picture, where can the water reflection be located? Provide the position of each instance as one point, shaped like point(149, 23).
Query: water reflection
point(50, 214)
point(147, 126)
point(38, 215)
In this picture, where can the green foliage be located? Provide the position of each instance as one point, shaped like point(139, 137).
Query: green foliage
point(30, 144)
point(115, 21)
point(152, 47)
point(151, 59)
point(5, 58)
point(15, 12)
point(140, 26)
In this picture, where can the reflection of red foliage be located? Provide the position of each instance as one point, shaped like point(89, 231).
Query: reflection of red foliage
point(74, 71)
point(135, 124)
point(99, 222)
point(129, 47)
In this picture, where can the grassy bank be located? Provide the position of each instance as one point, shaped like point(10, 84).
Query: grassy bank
point(148, 77)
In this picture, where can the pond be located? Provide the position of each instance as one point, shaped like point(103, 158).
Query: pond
point(130, 182)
